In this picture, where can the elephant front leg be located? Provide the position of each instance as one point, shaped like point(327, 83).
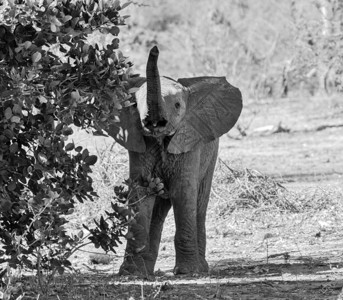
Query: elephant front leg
point(138, 259)
point(159, 214)
point(202, 203)
point(184, 201)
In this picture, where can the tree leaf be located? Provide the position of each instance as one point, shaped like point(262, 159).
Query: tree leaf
point(53, 27)
point(42, 158)
point(69, 147)
point(59, 126)
point(15, 119)
point(78, 149)
point(70, 211)
point(133, 90)
point(67, 131)
point(75, 95)
point(126, 4)
point(67, 18)
point(91, 160)
point(14, 148)
point(127, 103)
point(27, 45)
point(16, 109)
point(115, 30)
point(80, 234)
point(42, 99)
point(8, 133)
point(36, 57)
point(56, 21)
point(116, 4)
point(11, 186)
point(85, 153)
point(8, 113)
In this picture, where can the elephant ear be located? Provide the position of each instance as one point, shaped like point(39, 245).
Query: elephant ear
point(213, 108)
point(128, 131)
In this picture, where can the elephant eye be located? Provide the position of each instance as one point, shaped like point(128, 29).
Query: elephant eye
point(177, 105)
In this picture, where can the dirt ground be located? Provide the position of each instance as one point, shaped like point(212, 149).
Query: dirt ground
point(309, 154)
point(252, 254)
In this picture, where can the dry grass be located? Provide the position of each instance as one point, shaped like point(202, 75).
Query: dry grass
point(248, 208)
point(243, 188)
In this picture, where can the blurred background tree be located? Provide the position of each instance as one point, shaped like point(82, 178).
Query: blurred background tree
point(267, 48)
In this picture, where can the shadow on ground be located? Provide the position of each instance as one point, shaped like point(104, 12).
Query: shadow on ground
point(302, 278)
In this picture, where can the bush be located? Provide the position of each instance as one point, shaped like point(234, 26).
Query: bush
point(52, 76)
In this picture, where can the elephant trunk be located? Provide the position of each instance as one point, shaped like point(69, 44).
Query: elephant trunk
point(154, 96)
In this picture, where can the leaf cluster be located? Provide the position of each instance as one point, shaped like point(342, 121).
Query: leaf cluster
point(108, 230)
point(124, 207)
point(45, 52)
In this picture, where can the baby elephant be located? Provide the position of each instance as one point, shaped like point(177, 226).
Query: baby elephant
point(172, 134)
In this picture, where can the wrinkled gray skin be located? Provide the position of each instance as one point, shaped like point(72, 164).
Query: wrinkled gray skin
point(173, 134)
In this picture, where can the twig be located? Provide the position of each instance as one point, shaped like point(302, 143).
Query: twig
point(142, 290)
point(322, 127)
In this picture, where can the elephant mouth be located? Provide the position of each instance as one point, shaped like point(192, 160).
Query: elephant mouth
point(158, 132)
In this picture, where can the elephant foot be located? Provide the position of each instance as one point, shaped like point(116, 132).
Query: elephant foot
point(137, 266)
point(180, 270)
point(203, 265)
point(191, 268)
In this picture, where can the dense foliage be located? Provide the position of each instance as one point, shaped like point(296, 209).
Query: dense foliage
point(51, 77)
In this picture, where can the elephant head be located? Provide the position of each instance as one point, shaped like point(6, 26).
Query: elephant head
point(160, 109)
point(192, 111)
